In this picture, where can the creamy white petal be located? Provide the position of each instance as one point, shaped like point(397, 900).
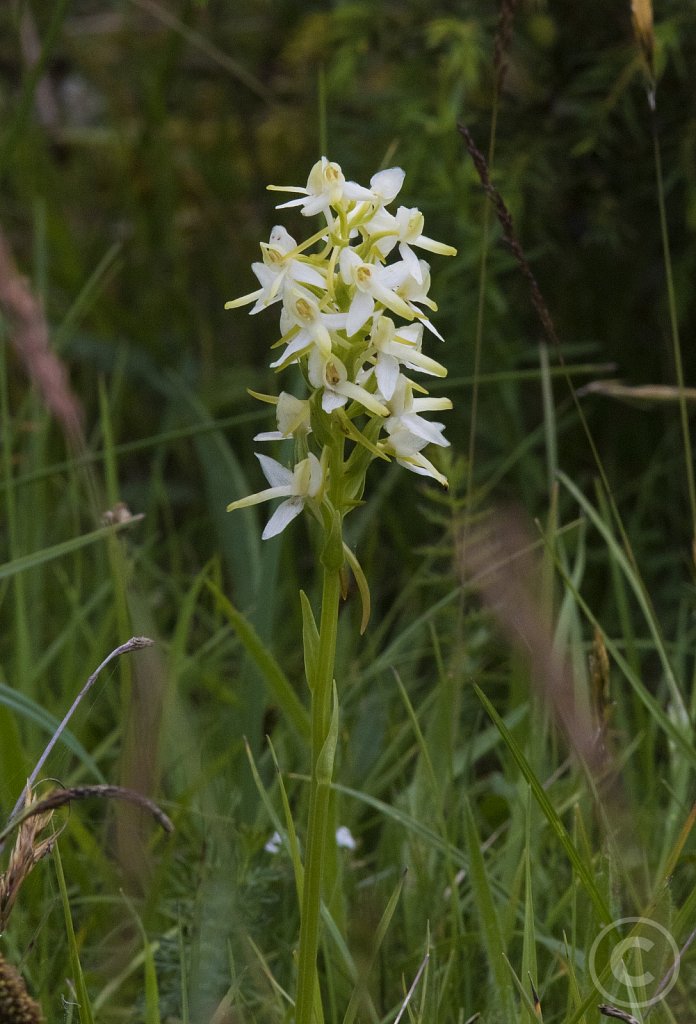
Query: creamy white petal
point(283, 515)
point(315, 204)
point(370, 402)
point(387, 373)
point(276, 474)
point(291, 202)
point(359, 313)
point(299, 344)
point(331, 400)
point(269, 435)
point(423, 467)
point(306, 273)
point(431, 404)
point(386, 184)
point(430, 432)
point(412, 262)
point(356, 193)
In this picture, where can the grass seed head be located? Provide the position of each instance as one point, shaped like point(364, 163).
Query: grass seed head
point(16, 1005)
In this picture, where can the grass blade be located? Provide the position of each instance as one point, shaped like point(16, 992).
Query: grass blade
point(548, 811)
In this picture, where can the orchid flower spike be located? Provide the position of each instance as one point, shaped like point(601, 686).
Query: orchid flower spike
point(351, 323)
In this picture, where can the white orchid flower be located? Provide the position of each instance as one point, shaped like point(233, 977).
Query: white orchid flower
point(330, 374)
point(405, 229)
point(279, 268)
point(407, 450)
point(391, 348)
point(371, 285)
point(301, 310)
point(274, 844)
point(408, 433)
point(292, 417)
point(342, 320)
point(398, 277)
point(405, 410)
point(326, 188)
point(345, 838)
point(302, 484)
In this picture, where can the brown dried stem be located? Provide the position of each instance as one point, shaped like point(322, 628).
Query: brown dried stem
point(505, 218)
point(30, 338)
point(61, 797)
point(135, 643)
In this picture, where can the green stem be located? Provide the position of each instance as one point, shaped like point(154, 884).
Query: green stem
point(319, 800)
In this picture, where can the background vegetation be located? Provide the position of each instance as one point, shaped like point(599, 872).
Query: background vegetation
point(137, 140)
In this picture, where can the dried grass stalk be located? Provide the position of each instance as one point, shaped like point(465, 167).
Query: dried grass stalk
point(642, 18)
point(30, 338)
point(28, 850)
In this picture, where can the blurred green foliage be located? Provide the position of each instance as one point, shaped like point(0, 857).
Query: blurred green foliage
point(166, 121)
point(133, 164)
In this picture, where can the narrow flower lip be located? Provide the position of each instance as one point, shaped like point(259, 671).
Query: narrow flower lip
point(431, 404)
point(255, 499)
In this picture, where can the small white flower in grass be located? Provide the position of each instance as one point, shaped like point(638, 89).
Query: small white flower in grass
point(292, 417)
point(392, 347)
point(344, 838)
point(278, 270)
point(406, 229)
point(330, 374)
point(274, 844)
point(302, 484)
point(326, 188)
point(371, 285)
point(312, 326)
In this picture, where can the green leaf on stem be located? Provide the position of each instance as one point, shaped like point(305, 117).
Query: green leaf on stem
point(363, 587)
point(332, 552)
point(310, 639)
point(325, 761)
